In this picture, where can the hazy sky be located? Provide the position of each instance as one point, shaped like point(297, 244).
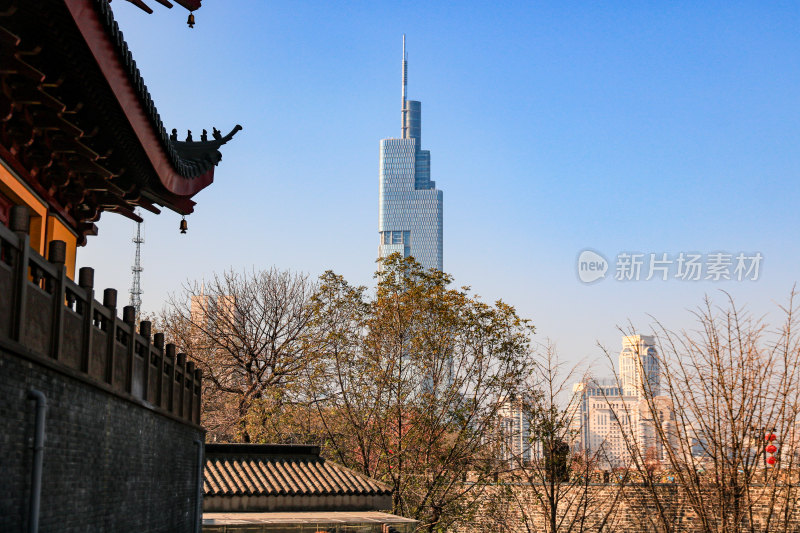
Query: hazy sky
point(553, 127)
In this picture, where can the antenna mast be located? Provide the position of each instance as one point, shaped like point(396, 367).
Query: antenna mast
point(136, 286)
point(404, 125)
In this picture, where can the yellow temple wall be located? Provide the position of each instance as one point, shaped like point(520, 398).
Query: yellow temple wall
point(44, 226)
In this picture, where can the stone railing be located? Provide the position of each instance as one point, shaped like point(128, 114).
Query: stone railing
point(49, 316)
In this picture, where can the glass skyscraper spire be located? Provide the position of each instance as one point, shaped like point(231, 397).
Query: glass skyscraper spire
point(410, 205)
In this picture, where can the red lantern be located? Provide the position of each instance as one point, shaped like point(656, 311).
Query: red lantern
point(771, 448)
point(771, 461)
point(770, 437)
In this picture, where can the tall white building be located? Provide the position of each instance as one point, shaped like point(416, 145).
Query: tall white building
point(409, 204)
point(519, 444)
point(211, 314)
point(200, 310)
point(608, 417)
point(638, 366)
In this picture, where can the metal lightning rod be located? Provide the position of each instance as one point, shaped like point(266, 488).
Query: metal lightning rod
point(404, 125)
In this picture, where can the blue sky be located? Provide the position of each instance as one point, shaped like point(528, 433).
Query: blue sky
point(553, 127)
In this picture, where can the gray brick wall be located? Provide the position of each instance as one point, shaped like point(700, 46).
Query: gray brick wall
point(109, 464)
point(514, 508)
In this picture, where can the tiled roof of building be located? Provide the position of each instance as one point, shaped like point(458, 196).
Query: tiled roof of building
point(184, 163)
point(280, 470)
point(79, 125)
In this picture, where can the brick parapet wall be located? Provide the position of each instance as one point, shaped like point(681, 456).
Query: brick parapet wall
point(111, 461)
point(45, 313)
point(515, 508)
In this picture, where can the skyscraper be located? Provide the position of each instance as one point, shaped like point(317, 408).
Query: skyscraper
point(638, 366)
point(410, 205)
point(520, 444)
point(610, 416)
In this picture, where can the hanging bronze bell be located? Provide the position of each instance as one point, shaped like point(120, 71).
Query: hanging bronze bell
point(190, 22)
point(184, 225)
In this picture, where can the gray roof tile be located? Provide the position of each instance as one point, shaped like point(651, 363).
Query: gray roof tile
point(272, 470)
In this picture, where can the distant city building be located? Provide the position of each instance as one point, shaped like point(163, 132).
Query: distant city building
point(590, 412)
point(200, 310)
point(638, 366)
point(519, 445)
point(212, 314)
point(410, 205)
point(609, 417)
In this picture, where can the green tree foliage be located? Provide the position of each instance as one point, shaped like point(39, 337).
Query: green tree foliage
point(412, 381)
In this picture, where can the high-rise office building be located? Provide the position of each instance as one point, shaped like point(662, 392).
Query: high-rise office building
point(212, 314)
point(519, 444)
point(609, 416)
point(410, 205)
point(638, 366)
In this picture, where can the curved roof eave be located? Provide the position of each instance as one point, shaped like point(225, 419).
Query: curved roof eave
point(103, 37)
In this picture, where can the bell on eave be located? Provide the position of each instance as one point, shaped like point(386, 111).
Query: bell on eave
point(184, 225)
point(190, 22)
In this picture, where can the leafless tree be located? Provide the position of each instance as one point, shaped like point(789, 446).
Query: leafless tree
point(727, 386)
point(558, 478)
point(247, 332)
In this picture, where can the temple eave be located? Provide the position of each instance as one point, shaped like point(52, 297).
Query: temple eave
point(78, 126)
